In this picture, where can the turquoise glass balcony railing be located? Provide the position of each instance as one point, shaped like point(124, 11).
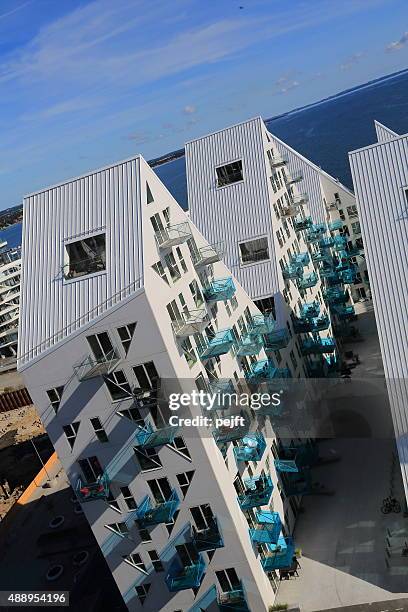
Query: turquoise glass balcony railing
point(95, 490)
point(261, 324)
point(334, 278)
point(225, 434)
point(293, 177)
point(348, 276)
point(277, 340)
point(209, 538)
point(257, 492)
point(297, 483)
point(310, 310)
point(173, 235)
point(336, 295)
point(300, 259)
point(92, 367)
point(335, 225)
point(317, 346)
point(267, 527)
point(154, 513)
point(344, 312)
point(353, 251)
point(279, 555)
point(310, 280)
point(190, 322)
point(207, 255)
point(302, 326)
point(315, 232)
point(180, 577)
point(326, 242)
point(252, 447)
point(321, 256)
point(150, 438)
point(302, 224)
point(326, 271)
point(294, 458)
point(339, 243)
point(292, 271)
point(249, 345)
point(218, 345)
point(220, 290)
point(261, 371)
point(233, 600)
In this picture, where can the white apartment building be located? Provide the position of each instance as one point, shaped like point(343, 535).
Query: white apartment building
point(10, 270)
point(380, 176)
point(123, 302)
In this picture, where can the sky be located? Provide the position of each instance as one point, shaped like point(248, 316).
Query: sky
point(86, 83)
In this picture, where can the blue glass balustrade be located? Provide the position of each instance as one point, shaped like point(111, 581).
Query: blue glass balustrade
point(317, 346)
point(261, 324)
point(154, 513)
point(208, 255)
point(353, 251)
point(348, 276)
point(297, 483)
point(300, 259)
point(310, 280)
point(257, 492)
point(267, 528)
point(277, 340)
point(343, 311)
point(335, 225)
point(336, 295)
point(315, 232)
point(233, 600)
point(252, 447)
point(209, 538)
point(279, 555)
point(303, 326)
point(180, 577)
point(326, 242)
point(149, 438)
point(310, 310)
point(220, 344)
point(321, 256)
point(302, 224)
point(294, 458)
point(292, 271)
point(173, 235)
point(95, 490)
point(219, 290)
point(339, 243)
point(249, 344)
point(264, 370)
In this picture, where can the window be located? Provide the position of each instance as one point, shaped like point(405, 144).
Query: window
point(99, 430)
point(147, 375)
point(142, 592)
point(203, 516)
point(86, 256)
point(126, 334)
point(352, 211)
point(161, 489)
point(181, 260)
point(119, 528)
point(157, 224)
point(118, 385)
point(136, 560)
point(55, 395)
point(194, 252)
point(91, 468)
point(172, 267)
point(158, 268)
point(101, 346)
point(154, 557)
point(356, 227)
point(174, 312)
point(184, 481)
point(229, 174)
point(196, 293)
point(254, 250)
point(149, 195)
point(133, 414)
point(166, 215)
point(228, 580)
point(170, 524)
point(145, 536)
point(293, 359)
point(112, 502)
point(148, 459)
point(71, 432)
point(128, 498)
point(189, 352)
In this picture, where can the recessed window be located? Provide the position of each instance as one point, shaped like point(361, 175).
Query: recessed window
point(118, 385)
point(91, 468)
point(128, 498)
point(254, 251)
point(126, 334)
point(229, 174)
point(149, 195)
point(71, 432)
point(55, 396)
point(86, 256)
point(99, 430)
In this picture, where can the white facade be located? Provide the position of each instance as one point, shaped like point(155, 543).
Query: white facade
point(380, 176)
point(10, 271)
point(142, 288)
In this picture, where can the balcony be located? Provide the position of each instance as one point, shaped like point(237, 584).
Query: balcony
point(154, 513)
point(261, 324)
point(348, 276)
point(150, 438)
point(336, 295)
point(257, 492)
point(207, 539)
point(280, 555)
point(180, 577)
point(297, 483)
point(289, 211)
point(292, 272)
point(277, 160)
point(302, 224)
point(190, 323)
point(343, 311)
point(220, 290)
point(326, 271)
point(261, 371)
point(92, 367)
point(173, 235)
point(340, 243)
point(208, 255)
point(315, 232)
point(220, 344)
point(318, 346)
point(336, 225)
point(310, 280)
point(310, 310)
point(353, 251)
point(301, 259)
point(303, 326)
point(249, 345)
point(326, 242)
point(232, 601)
point(321, 256)
point(277, 340)
point(294, 458)
point(95, 490)
point(300, 199)
point(225, 434)
point(267, 528)
point(252, 447)
point(294, 177)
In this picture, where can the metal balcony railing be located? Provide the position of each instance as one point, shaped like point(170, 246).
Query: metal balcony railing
point(208, 255)
point(180, 577)
point(233, 600)
point(173, 235)
point(318, 346)
point(267, 527)
point(92, 367)
point(310, 280)
point(257, 492)
point(209, 538)
point(95, 490)
point(302, 224)
point(251, 448)
point(149, 438)
point(277, 339)
point(280, 555)
point(220, 344)
point(293, 177)
point(261, 324)
point(249, 345)
point(155, 513)
point(190, 322)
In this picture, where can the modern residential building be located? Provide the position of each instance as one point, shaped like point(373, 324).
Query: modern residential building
point(243, 191)
point(10, 270)
point(380, 176)
point(123, 303)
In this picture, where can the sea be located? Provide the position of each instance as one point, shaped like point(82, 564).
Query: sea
point(323, 132)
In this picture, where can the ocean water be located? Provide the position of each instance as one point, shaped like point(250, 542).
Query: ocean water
point(12, 235)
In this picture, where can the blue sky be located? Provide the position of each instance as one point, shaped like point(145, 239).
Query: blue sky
point(84, 83)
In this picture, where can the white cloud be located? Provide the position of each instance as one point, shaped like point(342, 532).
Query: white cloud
point(189, 109)
point(398, 44)
point(351, 61)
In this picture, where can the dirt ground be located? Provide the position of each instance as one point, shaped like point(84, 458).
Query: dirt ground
point(19, 425)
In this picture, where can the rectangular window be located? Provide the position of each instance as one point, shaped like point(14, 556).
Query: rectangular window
point(158, 268)
point(136, 560)
point(184, 481)
point(180, 446)
point(99, 430)
point(147, 375)
point(142, 592)
point(118, 385)
point(356, 227)
point(120, 528)
point(352, 211)
point(161, 489)
point(91, 468)
point(172, 267)
point(148, 459)
point(203, 516)
point(126, 334)
point(189, 352)
point(229, 174)
point(254, 250)
point(154, 557)
point(133, 414)
point(196, 293)
point(71, 432)
point(194, 252)
point(181, 260)
point(55, 396)
point(101, 346)
point(228, 580)
point(85, 256)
